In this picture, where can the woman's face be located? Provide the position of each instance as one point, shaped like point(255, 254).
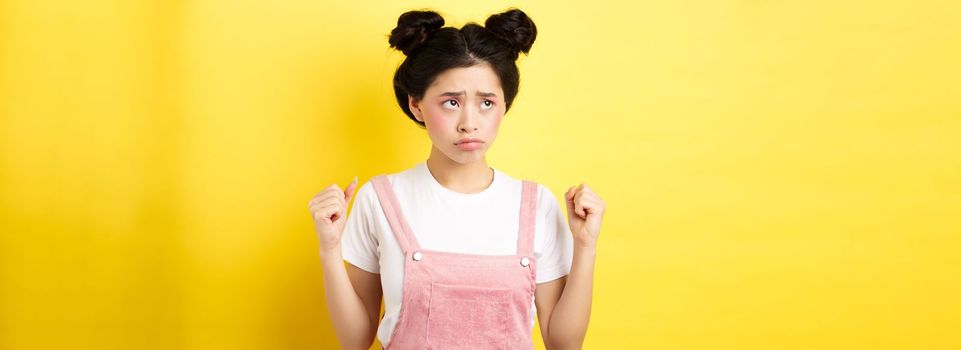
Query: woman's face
point(462, 104)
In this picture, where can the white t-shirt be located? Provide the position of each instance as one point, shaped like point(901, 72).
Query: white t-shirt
point(485, 223)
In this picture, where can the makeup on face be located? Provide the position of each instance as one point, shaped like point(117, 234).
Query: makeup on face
point(462, 110)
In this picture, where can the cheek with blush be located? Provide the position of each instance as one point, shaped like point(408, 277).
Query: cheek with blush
point(437, 121)
point(492, 124)
point(496, 121)
point(438, 127)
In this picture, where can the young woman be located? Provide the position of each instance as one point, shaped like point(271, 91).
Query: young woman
point(462, 254)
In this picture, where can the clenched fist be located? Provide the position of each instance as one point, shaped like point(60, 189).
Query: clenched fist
point(584, 213)
point(329, 209)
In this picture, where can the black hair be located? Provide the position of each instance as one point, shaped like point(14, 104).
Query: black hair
point(432, 48)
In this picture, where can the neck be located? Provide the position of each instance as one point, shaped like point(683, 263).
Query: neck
point(467, 178)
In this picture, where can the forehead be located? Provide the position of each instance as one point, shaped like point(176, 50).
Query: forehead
point(479, 77)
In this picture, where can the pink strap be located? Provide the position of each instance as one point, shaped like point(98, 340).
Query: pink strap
point(525, 237)
point(388, 201)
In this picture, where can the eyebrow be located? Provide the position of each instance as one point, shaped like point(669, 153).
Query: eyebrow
point(462, 93)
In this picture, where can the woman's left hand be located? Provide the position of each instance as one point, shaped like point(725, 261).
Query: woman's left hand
point(584, 213)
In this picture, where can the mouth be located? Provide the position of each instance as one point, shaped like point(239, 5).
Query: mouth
point(463, 141)
point(469, 144)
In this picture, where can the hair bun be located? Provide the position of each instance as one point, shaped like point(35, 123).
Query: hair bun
point(514, 27)
point(413, 29)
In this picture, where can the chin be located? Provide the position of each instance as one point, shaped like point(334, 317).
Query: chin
point(462, 157)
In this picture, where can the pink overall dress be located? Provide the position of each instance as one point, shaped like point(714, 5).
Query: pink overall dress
point(463, 301)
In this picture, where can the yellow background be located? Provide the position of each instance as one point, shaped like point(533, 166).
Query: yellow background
point(779, 174)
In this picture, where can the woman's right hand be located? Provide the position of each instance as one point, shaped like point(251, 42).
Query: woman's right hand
point(329, 210)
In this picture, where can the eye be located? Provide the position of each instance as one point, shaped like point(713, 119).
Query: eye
point(452, 103)
point(487, 104)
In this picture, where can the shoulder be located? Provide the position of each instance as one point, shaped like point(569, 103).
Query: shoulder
point(548, 205)
point(396, 179)
point(365, 201)
point(546, 200)
point(365, 193)
point(544, 194)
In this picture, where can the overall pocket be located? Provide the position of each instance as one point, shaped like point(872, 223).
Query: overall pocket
point(468, 317)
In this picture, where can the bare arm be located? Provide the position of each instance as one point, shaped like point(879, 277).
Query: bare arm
point(353, 295)
point(353, 299)
point(564, 305)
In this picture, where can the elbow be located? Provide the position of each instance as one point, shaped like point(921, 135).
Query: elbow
point(357, 336)
point(570, 341)
point(356, 343)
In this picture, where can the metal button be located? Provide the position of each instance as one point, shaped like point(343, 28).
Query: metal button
point(418, 256)
point(525, 261)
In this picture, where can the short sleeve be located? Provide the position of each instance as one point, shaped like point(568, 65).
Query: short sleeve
point(359, 244)
point(558, 249)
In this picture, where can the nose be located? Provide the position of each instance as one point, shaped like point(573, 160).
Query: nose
point(468, 123)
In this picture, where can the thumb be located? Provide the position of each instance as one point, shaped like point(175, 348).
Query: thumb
point(569, 198)
point(350, 190)
point(593, 219)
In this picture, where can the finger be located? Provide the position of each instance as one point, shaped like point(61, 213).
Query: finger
point(594, 213)
point(592, 207)
point(579, 204)
point(351, 189)
point(331, 192)
point(593, 220)
point(338, 214)
point(569, 199)
point(588, 202)
point(325, 212)
point(327, 190)
point(579, 193)
point(332, 200)
point(330, 196)
point(587, 193)
point(586, 189)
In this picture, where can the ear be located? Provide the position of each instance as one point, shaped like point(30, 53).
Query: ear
point(414, 106)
